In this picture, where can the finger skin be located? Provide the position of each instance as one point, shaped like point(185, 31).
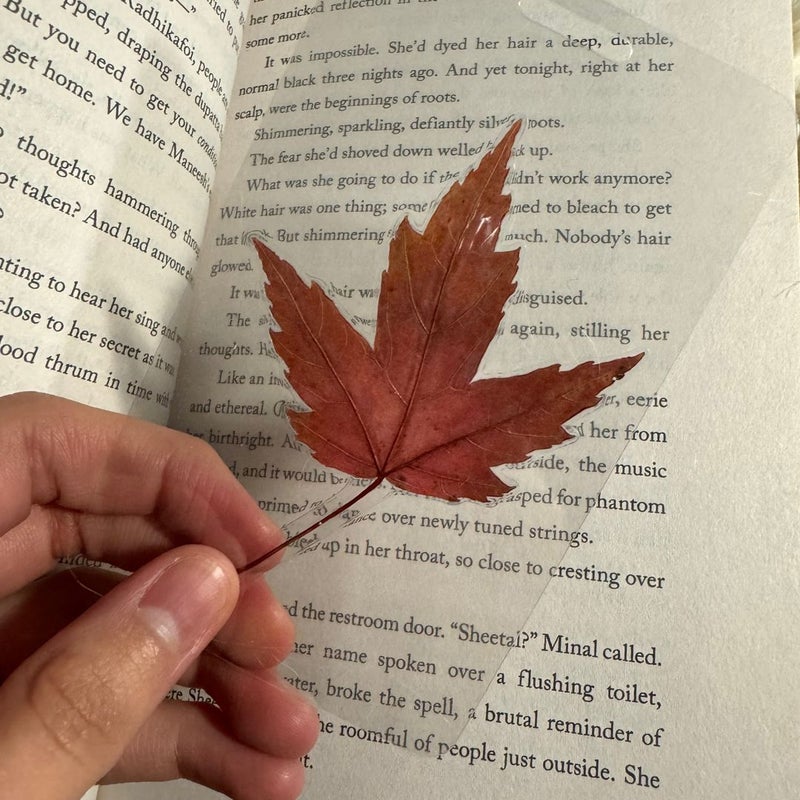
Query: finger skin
point(61, 454)
point(69, 710)
point(40, 610)
point(184, 740)
point(261, 709)
point(117, 490)
point(260, 633)
point(257, 712)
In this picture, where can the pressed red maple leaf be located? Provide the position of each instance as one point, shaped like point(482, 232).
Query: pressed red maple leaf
point(408, 409)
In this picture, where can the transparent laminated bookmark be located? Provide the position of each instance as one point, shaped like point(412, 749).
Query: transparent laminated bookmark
point(486, 239)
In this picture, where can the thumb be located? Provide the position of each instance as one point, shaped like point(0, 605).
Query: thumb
point(67, 713)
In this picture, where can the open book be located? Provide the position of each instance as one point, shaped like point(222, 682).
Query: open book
point(619, 621)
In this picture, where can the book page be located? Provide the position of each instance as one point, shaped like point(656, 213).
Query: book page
point(651, 203)
point(110, 129)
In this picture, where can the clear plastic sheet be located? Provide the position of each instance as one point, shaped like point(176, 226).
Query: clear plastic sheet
point(627, 215)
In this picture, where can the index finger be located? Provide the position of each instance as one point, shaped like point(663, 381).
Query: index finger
point(61, 454)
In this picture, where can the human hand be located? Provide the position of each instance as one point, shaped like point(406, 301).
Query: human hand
point(82, 679)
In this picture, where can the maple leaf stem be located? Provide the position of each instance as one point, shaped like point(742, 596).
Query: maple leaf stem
point(311, 528)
